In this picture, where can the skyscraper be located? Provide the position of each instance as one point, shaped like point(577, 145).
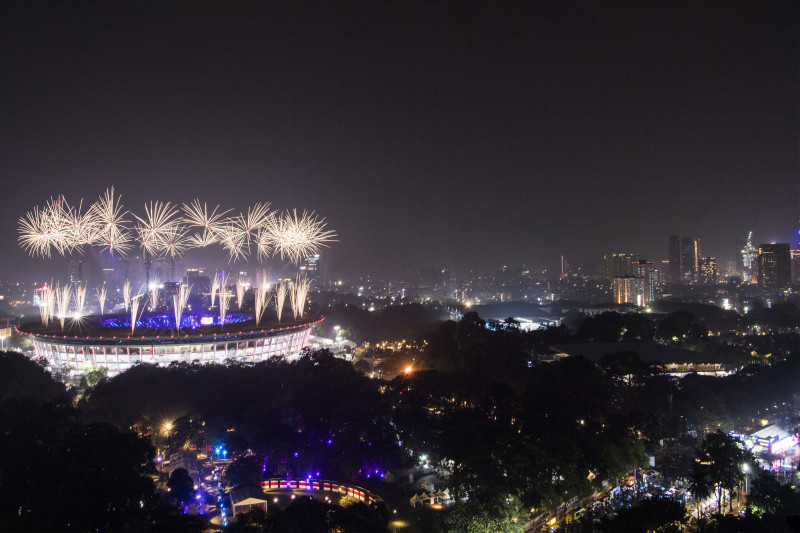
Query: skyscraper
point(690, 258)
point(708, 272)
point(620, 265)
point(774, 266)
point(646, 270)
point(749, 260)
point(629, 290)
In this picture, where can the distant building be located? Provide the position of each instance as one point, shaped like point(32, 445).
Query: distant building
point(690, 258)
point(629, 290)
point(774, 266)
point(310, 267)
point(749, 260)
point(795, 267)
point(646, 269)
point(79, 272)
point(708, 270)
point(564, 266)
point(620, 265)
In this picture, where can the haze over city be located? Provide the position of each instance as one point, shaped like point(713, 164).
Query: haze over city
point(401, 267)
point(444, 134)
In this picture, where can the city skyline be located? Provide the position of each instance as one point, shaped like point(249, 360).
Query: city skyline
point(444, 135)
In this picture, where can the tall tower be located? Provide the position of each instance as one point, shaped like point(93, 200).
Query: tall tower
point(690, 258)
point(708, 270)
point(620, 265)
point(647, 271)
point(749, 260)
point(774, 266)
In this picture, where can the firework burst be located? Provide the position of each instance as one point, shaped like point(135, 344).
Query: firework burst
point(167, 230)
point(108, 223)
point(158, 221)
point(294, 237)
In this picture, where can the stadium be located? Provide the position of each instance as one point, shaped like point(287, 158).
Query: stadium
point(96, 342)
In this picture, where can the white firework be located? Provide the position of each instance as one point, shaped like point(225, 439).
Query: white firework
point(101, 298)
point(153, 294)
point(262, 299)
point(135, 301)
point(179, 301)
point(294, 237)
point(158, 221)
point(233, 241)
point(224, 298)
point(109, 224)
point(241, 288)
point(214, 288)
point(80, 299)
point(62, 302)
point(196, 215)
point(46, 305)
point(297, 297)
point(173, 241)
point(48, 227)
point(126, 294)
point(280, 298)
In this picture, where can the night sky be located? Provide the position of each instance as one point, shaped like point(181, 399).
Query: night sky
point(471, 135)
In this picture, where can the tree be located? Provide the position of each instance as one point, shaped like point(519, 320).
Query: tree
point(719, 466)
point(21, 376)
point(181, 485)
point(244, 470)
point(651, 515)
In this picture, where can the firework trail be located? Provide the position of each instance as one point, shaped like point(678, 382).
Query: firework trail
point(62, 302)
point(179, 302)
point(280, 297)
point(224, 298)
point(262, 300)
point(135, 310)
point(46, 305)
point(101, 298)
point(214, 288)
point(154, 293)
point(80, 299)
point(241, 288)
point(298, 295)
point(126, 293)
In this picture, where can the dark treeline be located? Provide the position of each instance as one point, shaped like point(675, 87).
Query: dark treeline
point(519, 435)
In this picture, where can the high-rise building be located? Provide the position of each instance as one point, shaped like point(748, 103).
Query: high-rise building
point(708, 270)
point(629, 290)
point(795, 267)
point(79, 272)
point(774, 266)
point(674, 259)
point(647, 270)
point(620, 265)
point(749, 260)
point(564, 266)
point(690, 258)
